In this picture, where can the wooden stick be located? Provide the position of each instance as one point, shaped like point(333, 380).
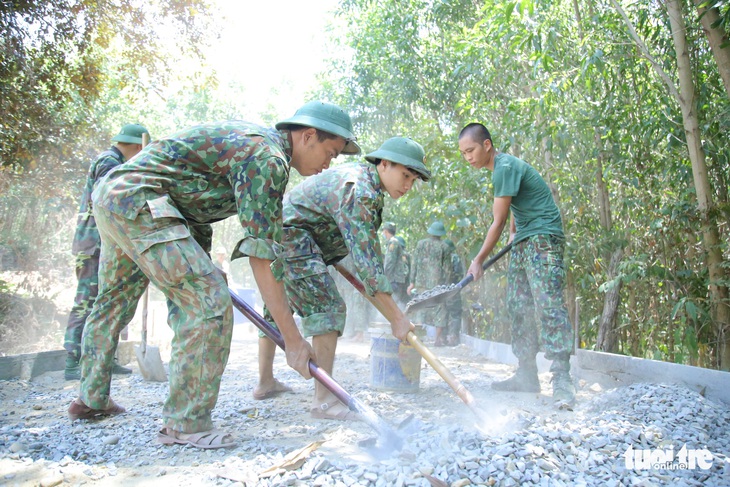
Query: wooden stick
point(416, 343)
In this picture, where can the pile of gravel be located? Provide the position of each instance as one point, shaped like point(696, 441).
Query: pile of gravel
point(526, 442)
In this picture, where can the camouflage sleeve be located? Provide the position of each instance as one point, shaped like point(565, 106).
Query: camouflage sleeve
point(259, 180)
point(357, 223)
point(101, 167)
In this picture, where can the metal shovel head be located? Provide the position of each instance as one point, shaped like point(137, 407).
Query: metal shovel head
point(150, 363)
point(434, 297)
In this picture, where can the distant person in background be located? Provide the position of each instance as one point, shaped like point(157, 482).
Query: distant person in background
point(430, 268)
point(406, 258)
point(220, 259)
point(536, 274)
point(453, 306)
point(87, 247)
point(394, 263)
point(155, 216)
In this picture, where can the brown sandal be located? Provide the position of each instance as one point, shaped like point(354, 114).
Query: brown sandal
point(79, 410)
point(203, 439)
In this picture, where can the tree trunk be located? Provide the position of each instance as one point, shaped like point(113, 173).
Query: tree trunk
point(716, 36)
point(710, 233)
point(607, 340)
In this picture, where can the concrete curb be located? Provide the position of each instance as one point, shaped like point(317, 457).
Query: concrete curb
point(613, 370)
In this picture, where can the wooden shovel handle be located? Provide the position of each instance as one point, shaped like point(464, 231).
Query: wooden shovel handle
point(416, 343)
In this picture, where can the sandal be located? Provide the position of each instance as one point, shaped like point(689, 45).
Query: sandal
point(322, 412)
point(79, 410)
point(203, 439)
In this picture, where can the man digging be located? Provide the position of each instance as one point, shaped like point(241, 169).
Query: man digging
point(327, 217)
point(154, 214)
point(536, 274)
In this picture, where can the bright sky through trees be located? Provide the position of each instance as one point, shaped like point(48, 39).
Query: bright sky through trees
point(273, 48)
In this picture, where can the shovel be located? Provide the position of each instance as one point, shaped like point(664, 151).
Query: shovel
point(416, 343)
point(442, 294)
point(148, 357)
point(390, 439)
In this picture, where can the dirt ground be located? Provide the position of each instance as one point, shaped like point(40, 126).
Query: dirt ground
point(274, 426)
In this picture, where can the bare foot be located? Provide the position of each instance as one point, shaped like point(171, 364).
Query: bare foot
point(266, 391)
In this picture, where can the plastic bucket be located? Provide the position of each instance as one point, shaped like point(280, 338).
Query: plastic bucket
point(394, 366)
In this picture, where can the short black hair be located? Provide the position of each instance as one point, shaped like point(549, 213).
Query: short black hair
point(477, 131)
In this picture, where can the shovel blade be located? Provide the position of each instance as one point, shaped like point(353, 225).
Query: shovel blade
point(150, 363)
point(432, 300)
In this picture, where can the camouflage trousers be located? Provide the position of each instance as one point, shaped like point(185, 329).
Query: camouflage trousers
point(536, 281)
point(453, 314)
point(87, 267)
point(436, 316)
point(160, 250)
point(87, 272)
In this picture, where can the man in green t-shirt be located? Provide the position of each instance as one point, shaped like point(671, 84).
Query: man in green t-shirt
point(536, 270)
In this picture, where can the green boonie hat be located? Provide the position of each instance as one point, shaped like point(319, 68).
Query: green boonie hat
point(327, 117)
point(405, 151)
point(390, 226)
point(131, 134)
point(437, 229)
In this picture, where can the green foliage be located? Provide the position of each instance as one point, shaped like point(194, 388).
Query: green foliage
point(560, 88)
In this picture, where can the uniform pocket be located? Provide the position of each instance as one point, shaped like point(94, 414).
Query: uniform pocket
point(303, 266)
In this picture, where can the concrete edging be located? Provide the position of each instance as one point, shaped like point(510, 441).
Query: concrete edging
point(619, 369)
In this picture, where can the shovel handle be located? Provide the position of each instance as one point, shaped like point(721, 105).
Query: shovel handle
point(322, 376)
point(486, 265)
point(416, 343)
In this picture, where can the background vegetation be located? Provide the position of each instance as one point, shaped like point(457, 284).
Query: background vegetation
point(623, 107)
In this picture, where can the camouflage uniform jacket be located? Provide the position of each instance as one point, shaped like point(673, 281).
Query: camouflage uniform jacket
point(205, 174)
point(431, 264)
point(395, 262)
point(86, 239)
point(340, 211)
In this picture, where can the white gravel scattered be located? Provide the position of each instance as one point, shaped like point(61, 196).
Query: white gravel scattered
point(527, 441)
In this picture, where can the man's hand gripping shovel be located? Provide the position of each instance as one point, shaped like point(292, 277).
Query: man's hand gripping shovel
point(388, 440)
point(416, 343)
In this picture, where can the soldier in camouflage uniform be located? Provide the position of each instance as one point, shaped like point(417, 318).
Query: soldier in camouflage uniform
point(536, 270)
point(327, 217)
point(87, 246)
point(406, 262)
point(453, 307)
point(395, 264)
point(154, 214)
point(431, 263)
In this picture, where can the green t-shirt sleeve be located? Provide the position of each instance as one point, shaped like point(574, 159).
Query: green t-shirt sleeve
point(506, 180)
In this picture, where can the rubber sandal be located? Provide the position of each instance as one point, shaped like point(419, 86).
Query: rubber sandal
point(322, 412)
point(204, 439)
point(279, 388)
point(79, 410)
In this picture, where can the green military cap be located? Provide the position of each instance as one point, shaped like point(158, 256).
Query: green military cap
point(131, 134)
point(328, 118)
point(405, 151)
point(390, 226)
point(437, 229)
